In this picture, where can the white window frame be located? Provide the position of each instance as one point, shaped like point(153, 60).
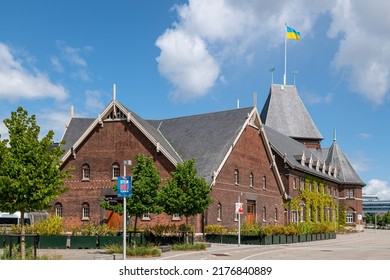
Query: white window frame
point(176, 217)
point(349, 216)
point(85, 211)
point(219, 212)
point(86, 172)
point(116, 169)
point(58, 210)
point(146, 216)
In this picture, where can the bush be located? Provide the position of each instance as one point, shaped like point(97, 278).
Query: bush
point(214, 229)
point(134, 251)
point(189, 247)
point(50, 226)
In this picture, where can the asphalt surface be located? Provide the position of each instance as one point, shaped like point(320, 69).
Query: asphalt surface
point(368, 245)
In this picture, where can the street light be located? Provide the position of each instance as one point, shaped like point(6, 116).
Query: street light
point(125, 162)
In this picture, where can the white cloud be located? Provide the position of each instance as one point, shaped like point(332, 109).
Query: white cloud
point(365, 136)
point(364, 51)
point(209, 33)
point(17, 82)
point(73, 58)
point(313, 98)
point(379, 188)
point(187, 64)
point(237, 30)
point(53, 120)
point(93, 100)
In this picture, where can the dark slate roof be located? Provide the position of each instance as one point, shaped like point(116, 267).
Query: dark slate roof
point(292, 151)
point(285, 112)
point(75, 129)
point(206, 137)
point(347, 173)
point(152, 130)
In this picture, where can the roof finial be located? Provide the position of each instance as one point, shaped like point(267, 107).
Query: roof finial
point(114, 91)
point(71, 111)
point(254, 99)
point(272, 70)
point(334, 135)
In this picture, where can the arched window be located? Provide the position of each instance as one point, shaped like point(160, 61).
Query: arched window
point(251, 180)
point(264, 183)
point(264, 214)
point(58, 209)
point(86, 172)
point(85, 211)
point(116, 171)
point(236, 177)
point(219, 212)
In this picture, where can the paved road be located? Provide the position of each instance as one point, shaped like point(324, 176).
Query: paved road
point(367, 245)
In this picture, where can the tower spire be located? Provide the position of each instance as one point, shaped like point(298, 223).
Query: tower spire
point(334, 135)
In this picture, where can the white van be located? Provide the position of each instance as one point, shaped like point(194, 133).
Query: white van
point(8, 219)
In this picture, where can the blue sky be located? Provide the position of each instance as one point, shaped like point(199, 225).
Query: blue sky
point(174, 58)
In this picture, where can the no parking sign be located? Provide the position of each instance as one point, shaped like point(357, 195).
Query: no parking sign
point(239, 208)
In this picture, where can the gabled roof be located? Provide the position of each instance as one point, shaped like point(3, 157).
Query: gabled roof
point(209, 138)
point(206, 137)
point(285, 112)
point(347, 173)
point(79, 128)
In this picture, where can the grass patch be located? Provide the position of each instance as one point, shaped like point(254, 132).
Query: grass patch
point(189, 247)
point(29, 254)
point(142, 251)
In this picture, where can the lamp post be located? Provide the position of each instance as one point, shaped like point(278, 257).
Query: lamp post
point(125, 162)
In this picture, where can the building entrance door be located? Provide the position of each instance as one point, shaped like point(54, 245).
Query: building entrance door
point(250, 213)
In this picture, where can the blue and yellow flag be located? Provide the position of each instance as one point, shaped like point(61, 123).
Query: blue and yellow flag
point(293, 34)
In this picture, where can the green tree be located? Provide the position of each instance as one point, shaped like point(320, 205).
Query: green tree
point(146, 182)
point(30, 178)
point(185, 193)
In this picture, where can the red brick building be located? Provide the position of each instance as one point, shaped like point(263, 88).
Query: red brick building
point(243, 156)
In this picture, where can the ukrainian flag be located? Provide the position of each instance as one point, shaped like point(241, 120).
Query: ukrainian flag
point(293, 34)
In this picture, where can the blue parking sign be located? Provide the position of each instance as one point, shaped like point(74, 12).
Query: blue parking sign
point(124, 186)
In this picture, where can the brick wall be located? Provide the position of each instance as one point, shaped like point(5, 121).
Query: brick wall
point(113, 143)
point(248, 156)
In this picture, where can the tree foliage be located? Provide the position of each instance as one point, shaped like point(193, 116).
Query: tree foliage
point(30, 178)
point(146, 182)
point(185, 193)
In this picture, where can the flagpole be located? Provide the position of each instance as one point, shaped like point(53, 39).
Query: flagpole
point(285, 54)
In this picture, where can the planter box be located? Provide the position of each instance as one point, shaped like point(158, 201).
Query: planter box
point(248, 239)
point(83, 242)
point(275, 239)
point(295, 239)
point(283, 239)
point(332, 235)
point(214, 238)
point(302, 238)
point(309, 237)
point(109, 240)
point(230, 239)
point(266, 240)
point(52, 241)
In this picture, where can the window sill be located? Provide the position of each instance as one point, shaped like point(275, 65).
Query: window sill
point(85, 219)
point(146, 219)
point(85, 180)
point(219, 220)
point(176, 219)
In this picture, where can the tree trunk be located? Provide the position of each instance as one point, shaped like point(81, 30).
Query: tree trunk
point(22, 237)
point(186, 233)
